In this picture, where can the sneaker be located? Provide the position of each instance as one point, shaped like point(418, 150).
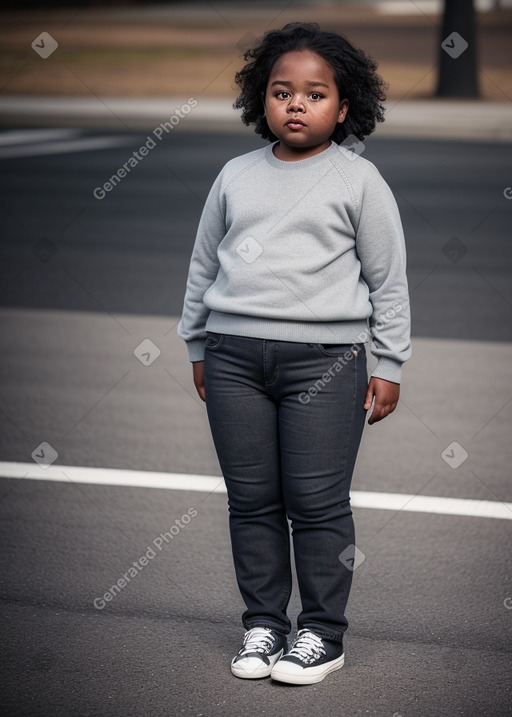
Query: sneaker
point(309, 660)
point(262, 647)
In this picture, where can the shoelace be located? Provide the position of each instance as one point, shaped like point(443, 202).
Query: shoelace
point(259, 639)
point(307, 646)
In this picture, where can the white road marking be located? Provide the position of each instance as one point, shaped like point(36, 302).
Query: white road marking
point(432, 504)
point(215, 484)
point(114, 476)
point(27, 136)
point(82, 144)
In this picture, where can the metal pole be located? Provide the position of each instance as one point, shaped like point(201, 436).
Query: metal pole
point(458, 52)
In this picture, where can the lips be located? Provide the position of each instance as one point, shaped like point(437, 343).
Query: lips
point(295, 123)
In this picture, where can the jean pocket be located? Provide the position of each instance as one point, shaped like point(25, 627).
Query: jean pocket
point(213, 340)
point(347, 351)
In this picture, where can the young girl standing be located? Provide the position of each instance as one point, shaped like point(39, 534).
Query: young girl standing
point(299, 260)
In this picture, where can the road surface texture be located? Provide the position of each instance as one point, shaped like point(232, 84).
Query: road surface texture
point(84, 281)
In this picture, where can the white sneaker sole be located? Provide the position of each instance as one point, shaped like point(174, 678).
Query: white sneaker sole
point(294, 674)
point(251, 670)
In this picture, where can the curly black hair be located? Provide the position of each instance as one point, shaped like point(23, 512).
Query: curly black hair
point(354, 72)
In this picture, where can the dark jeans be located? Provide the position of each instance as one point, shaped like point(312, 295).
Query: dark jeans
point(287, 419)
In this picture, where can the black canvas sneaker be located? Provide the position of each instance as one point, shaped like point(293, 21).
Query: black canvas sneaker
point(262, 647)
point(309, 660)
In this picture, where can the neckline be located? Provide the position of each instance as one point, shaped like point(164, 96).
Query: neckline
point(299, 163)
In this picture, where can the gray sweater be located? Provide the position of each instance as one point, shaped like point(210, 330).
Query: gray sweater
point(310, 251)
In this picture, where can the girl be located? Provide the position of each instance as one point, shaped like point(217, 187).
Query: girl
point(299, 260)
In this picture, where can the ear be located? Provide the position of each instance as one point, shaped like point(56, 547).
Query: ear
point(343, 110)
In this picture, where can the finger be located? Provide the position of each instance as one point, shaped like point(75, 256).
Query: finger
point(374, 416)
point(200, 390)
point(369, 398)
point(380, 411)
point(377, 415)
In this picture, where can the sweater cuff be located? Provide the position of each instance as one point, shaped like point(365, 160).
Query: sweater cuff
point(195, 350)
point(388, 370)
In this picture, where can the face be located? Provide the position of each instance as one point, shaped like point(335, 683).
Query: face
point(302, 104)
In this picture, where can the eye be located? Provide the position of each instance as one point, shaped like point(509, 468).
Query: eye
point(315, 96)
point(282, 92)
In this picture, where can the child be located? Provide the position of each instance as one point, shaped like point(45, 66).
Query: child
point(299, 259)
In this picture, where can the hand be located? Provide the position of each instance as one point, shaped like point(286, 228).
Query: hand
point(198, 368)
point(386, 398)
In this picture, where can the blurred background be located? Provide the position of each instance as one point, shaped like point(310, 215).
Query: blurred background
point(172, 48)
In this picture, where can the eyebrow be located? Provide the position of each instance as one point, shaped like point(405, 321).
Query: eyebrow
point(311, 84)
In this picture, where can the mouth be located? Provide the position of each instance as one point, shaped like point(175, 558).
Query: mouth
point(295, 124)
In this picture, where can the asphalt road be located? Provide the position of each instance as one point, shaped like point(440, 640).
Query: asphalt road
point(128, 252)
point(83, 281)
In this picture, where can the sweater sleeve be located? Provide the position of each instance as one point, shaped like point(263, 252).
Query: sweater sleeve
point(203, 270)
point(380, 246)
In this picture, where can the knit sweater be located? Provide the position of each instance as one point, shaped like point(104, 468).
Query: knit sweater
point(307, 251)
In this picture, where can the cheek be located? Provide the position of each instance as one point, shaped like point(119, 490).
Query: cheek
point(327, 117)
point(275, 114)
point(276, 107)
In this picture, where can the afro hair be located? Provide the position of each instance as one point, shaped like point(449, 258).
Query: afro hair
point(354, 71)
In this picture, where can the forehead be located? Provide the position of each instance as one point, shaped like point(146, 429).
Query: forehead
point(302, 65)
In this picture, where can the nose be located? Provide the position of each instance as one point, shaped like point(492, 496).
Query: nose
point(296, 104)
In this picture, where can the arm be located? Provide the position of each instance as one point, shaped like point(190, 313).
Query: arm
point(381, 249)
point(203, 270)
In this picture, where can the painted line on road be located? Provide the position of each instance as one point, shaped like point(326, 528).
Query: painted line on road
point(215, 484)
point(114, 476)
point(28, 136)
point(83, 144)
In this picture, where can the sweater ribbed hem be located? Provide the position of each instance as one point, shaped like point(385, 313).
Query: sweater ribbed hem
point(388, 369)
point(328, 332)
